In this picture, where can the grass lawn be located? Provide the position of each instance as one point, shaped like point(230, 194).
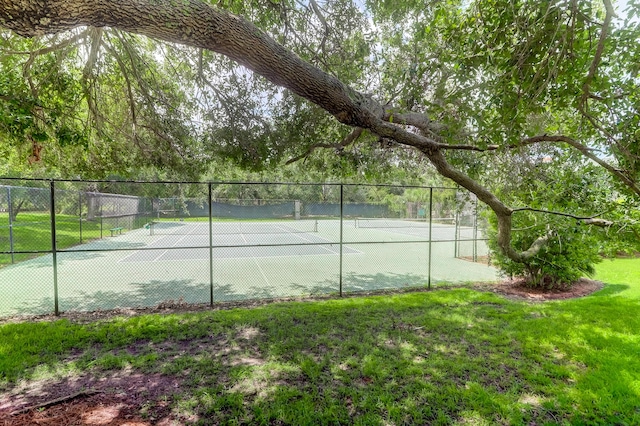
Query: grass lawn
point(452, 356)
point(32, 232)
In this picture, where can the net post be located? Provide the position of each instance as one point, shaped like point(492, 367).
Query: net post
point(210, 247)
point(430, 234)
point(54, 248)
point(10, 222)
point(341, 226)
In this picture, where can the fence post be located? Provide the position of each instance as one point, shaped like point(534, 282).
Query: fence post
point(456, 236)
point(430, 234)
point(54, 247)
point(10, 223)
point(341, 220)
point(80, 214)
point(475, 232)
point(210, 248)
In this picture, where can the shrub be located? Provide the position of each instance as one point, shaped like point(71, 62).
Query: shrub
point(571, 252)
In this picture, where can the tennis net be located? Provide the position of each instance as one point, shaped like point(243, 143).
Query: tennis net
point(382, 222)
point(231, 227)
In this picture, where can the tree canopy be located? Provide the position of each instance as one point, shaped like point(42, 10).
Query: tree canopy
point(518, 102)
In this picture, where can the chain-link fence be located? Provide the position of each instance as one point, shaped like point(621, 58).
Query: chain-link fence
point(76, 245)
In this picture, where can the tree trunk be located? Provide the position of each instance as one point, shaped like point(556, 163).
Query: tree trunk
point(15, 209)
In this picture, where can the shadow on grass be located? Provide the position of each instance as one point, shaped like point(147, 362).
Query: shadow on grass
point(612, 289)
point(421, 358)
point(155, 292)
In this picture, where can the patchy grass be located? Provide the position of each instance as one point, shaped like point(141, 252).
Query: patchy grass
point(455, 356)
point(32, 232)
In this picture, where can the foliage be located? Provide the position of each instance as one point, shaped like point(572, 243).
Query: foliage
point(530, 179)
point(571, 252)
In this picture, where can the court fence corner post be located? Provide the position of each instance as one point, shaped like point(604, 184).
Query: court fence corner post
point(430, 235)
point(10, 209)
point(475, 230)
point(210, 247)
point(341, 225)
point(456, 233)
point(54, 248)
point(80, 213)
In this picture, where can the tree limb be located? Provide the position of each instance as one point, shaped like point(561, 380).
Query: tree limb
point(56, 401)
point(588, 220)
point(316, 10)
point(415, 119)
point(597, 58)
point(593, 68)
point(583, 149)
point(96, 41)
point(348, 140)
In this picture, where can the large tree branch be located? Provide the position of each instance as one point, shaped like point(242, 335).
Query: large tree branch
point(409, 118)
point(597, 57)
point(583, 103)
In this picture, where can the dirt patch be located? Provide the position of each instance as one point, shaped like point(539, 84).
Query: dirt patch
point(516, 289)
point(118, 399)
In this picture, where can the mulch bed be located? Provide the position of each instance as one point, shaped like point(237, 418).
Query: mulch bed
point(516, 289)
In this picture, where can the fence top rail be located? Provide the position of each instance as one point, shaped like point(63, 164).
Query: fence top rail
point(178, 182)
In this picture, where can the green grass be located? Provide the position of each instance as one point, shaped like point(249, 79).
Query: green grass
point(624, 273)
point(32, 233)
point(455, 356)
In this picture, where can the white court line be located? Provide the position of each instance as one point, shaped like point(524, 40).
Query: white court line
point(306, 239)
point(145, 248)
point(321, 245)
point(160, 238)
point(354, 251)
point(173, 245)
point(257, 264)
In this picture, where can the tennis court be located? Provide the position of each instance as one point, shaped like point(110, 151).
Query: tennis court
point(181, 261)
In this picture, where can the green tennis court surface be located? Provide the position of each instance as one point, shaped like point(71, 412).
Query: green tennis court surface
point(247, 260)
